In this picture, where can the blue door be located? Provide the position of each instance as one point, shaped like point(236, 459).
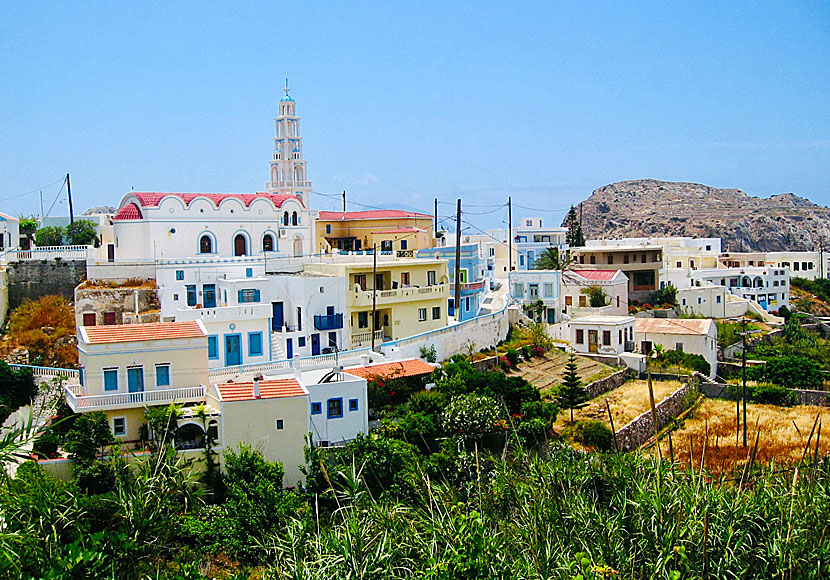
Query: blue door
point(278, 317)
point(135, 379)
point(233, 350)
point(315, 344)
point(289, 348)
point(209, 295)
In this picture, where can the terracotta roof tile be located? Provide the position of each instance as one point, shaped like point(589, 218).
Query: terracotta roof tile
point(141, 332)
point(399, 369)
point(596, 274)
point(328, 216)
point(129, 212)
point(152, 199)
point(268, 389)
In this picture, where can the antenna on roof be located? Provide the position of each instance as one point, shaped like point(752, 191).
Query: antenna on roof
point(286, 86)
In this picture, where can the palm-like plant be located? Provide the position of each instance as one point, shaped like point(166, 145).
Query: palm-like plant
point(553, 259)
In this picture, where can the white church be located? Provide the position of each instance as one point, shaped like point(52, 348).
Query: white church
point(208, 254)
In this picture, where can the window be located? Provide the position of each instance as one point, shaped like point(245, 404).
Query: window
point(528, 223)
point(135, 379)
point(618, 301)
point(569, 300)
point(804, 265)
point(620, 340)
point(518, 290)
point(580, 336)
point(360, 280)
point(403, 244)
point(299, 318)
point(548, 290)
point(521, 259)
point(285, 218)
point(179, 274)
point(163, 375)
point(247, 295)
point(717, 299)
point(436, 312)
point(111, 379)
point(678, 346)
point(352, 404)
point(205, 245)
point(254, 344)
point(699, 300)
point(625, 259)
point(191, 294)
point(213, 347)
point(405, 279)
point(606, 338)
point(328, 228)
point(119, 426)
point(280, 424)
point(109, 318)
point(249, 272)
point(593, 259)
point(431, 278)
point(422, 314)
point(335, 408)
point(294, 219)
point(386, 245)
point(679, 265)
point(267, 243)
point(583, 301)
point(300, 341)
point(316, 408)
point(89, 319)
point(209, 295)
point(363, 320)
point(610, 258)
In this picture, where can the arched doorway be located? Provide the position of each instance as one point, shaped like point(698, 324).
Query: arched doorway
point(267, 243)
point(240, 245)
point(190, 436)
point(298, 246)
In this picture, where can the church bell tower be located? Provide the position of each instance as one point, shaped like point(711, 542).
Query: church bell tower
point(288, 168)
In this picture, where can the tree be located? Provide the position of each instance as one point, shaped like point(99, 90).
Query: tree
point(82, 232)
point(574, 237)
point(89, 434)
point(666, 295)
point(17, 388)
point(28, 224)
point(49, 236)
point(572, 395)
point(596, 296)
point(470, 414)
point(553, 259)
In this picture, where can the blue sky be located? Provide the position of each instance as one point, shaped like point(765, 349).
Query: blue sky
point(405, 102)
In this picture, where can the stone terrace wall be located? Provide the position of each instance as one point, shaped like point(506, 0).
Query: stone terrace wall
point(641, 429)
point(804, 397)
point(486, 364)
point(34, 279)
point(609, 383)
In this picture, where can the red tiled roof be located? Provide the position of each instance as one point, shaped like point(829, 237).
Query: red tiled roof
point(152, 199)
point(399, 231)
point(129, 212)
point(8, 217)
point(400, 369)
point(374, 214)
point(268, 389)
point(596, 274)
point(141, 332)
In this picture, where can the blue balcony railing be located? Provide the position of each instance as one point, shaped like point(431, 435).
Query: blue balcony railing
point(328, 321)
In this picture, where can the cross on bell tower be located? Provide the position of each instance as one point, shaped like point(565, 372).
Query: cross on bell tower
point(288, 168)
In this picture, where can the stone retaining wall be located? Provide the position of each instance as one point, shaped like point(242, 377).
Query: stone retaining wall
point(598, 387)
point(641, 429)
point(803, 397)
point(35, 279)
point(486, 364)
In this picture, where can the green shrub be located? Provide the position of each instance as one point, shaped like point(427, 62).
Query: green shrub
point(774, 395)
point(796, 372)
point(470, 414)
point(46, 445)
point(49, 236)
point(540, 410)
point(532, 431)
point(429, 354)
point(429, 402)
point(527, 352)
point(512, 355)
point(593, 433)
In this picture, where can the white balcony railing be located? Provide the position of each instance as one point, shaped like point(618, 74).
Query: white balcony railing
point(364, 297)
point(49, 253)
point(360, 339)
point(78, 400)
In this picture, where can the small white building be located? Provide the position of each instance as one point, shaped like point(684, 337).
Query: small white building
point(608, 335)
point(527, 287)
point(613, 283)
point(339, 407)
point(9, 232)
point(694, 336)
point(768, 286)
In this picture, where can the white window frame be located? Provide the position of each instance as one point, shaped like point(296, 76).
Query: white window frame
point(156, 376)
point(114, 419)
point(422, 315)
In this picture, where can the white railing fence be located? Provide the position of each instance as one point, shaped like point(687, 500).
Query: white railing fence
point(77, 400)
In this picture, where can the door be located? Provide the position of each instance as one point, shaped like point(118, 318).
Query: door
point(593, 341)
point(533, 291)
point(332, 339)
point(209, 295)
point(233, 350)
point(135, 379)
point(289, 348)
point(110, 252)
point(315, 344)
point(277, 316)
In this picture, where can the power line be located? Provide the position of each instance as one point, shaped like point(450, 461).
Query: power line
point(34, 190)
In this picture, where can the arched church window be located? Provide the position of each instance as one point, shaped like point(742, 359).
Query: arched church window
point(285, 218)
point(294, 220)
point(205, 245)
point(268, 243)
point(240, 245)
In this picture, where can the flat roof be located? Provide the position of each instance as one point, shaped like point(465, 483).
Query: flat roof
point(693, 326)
point(602, 320)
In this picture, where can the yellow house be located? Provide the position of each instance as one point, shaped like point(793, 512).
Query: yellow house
point(411, 295)
point(392, 230)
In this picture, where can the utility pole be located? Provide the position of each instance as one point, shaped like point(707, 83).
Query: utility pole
point(374, 292)
point(41, 205)
point(744, 334)
point(71, 214)
point(458, 262)
point(509, 235)
point(344, 201)
point(436, 218)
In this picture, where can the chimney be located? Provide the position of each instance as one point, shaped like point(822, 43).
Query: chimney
point(296, 364)
point(256, 387)
point(364, 360)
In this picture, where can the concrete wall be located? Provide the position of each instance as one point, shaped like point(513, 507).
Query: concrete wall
point(34, 279)
point(641, 429)
point(120, 301)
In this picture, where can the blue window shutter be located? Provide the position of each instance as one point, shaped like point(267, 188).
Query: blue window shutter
point(163, 375)
point(213, 347)
point(256, 295)
point(254, 343)
point(111, 380)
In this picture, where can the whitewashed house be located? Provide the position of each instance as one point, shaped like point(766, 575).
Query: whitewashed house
point(694, 336)
point(528, 287)
point(339, 407)
point(613, 283)
point(603, 335)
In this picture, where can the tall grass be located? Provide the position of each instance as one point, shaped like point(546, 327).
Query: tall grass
point(565, 513)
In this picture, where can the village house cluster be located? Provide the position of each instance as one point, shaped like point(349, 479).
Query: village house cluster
point(273, 317)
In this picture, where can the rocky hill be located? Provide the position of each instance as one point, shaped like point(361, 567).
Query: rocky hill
point(648, 207)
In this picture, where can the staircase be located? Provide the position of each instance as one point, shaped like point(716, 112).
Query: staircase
point(277, 351)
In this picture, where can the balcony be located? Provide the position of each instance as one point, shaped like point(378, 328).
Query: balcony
point(469, 286)
point(79, 401)
point(363, 298)
point(361, 339)
point(328, 321)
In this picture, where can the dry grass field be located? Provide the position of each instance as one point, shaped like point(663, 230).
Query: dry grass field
point(627, 403)
point(783, 435)
point(545, 373)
